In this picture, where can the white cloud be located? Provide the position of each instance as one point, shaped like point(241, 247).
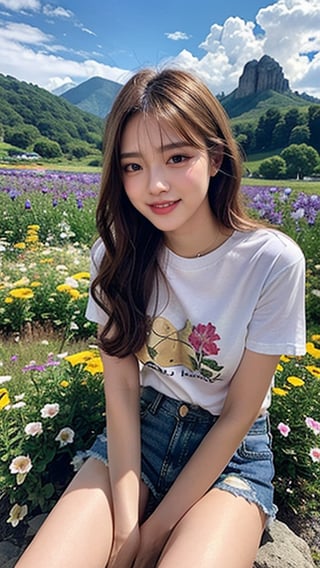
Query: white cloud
point(288, 31)
point(17, 5)
point(176, 36)
point(35, 66)
point(23, 33)
point(87, 31)
point(56, 82)
point(57, 12)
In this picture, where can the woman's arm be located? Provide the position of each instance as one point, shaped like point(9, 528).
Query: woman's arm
point(122, 391)
point(246, 394)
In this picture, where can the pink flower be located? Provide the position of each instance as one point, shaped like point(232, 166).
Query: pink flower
point(50, 410)
point(20, 464)
point(203, 339)
point(315, 454)
point(313, 424)
point(284, 429)
point(33, 428)
point(65, 436)
point(17, 514)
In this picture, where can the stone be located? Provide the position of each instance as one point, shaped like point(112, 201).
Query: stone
point(7, 552)
point(263, 75)
point(282, 548)
point(35, 524)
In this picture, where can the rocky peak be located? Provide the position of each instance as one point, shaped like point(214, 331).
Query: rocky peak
point(263, 75)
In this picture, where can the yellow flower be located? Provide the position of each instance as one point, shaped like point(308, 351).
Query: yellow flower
point(31, 238)
point(20, 246)
point(63, 288)
point(312, 350)
point(35, 284)
point(64, 384)
point(278, 391)
point(279, 368)
point(81, 275)
point(75, 294)
point(21, 293)
point(8, 300)
point(17, 513)
point(34, 227)
point(46, 260)
point(315, 371)
point(94, 366)
point(315, 337)
point(4, 398)
point(295, 381)
point(284, 359)
point(81, 357)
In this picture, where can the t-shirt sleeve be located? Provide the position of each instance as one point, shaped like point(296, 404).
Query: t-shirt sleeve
point(94, 312)
point(278, 323)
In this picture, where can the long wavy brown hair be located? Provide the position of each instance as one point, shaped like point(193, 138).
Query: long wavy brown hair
point(129, 270)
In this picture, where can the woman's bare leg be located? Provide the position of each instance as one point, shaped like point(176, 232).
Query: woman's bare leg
point(221, 530)
point(78, 532)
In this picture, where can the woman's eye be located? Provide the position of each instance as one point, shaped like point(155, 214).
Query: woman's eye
point(177, 159)
point(131, 167)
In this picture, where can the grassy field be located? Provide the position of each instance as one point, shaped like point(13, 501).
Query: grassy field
point(296, 185)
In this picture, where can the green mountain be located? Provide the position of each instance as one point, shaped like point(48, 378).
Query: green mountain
point(252, 107)
point(95, 95)
point(28, 109)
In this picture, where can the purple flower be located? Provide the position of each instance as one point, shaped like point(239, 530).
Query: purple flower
point(33, 367)
point(27, 204)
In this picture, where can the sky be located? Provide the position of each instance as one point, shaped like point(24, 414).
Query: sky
point(54, 43)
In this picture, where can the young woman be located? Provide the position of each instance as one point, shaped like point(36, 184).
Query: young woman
point(195, 303)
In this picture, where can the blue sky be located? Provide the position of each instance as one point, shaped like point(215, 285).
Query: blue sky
point(53, 43)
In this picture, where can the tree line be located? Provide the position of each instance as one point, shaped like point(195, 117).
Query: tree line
point(295, 132)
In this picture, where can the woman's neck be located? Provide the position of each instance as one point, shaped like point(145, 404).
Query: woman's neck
point(198, 244)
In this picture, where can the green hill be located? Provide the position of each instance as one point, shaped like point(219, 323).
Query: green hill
point(27, 109)
point(95, 95)
point(252, 107)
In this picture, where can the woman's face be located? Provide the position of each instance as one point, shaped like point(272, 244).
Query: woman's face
point(165, 178)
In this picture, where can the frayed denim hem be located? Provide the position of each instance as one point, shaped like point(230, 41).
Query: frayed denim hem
point(95, 455)
point(244, 489)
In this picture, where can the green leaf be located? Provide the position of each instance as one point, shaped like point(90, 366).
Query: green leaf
point(212, 364)
point(152, 352)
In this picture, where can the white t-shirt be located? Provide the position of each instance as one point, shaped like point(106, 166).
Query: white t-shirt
point(248, 293)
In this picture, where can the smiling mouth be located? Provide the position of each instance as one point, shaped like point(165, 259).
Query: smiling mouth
point(163, 205)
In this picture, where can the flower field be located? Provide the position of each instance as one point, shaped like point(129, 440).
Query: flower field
point(51, 391)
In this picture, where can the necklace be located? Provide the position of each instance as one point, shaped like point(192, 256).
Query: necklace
point(218, 240)
point(210, 248)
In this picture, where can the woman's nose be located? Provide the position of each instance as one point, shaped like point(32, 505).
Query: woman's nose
point(158, 182)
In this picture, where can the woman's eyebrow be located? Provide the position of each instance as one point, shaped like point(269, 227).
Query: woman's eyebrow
point(164, 148)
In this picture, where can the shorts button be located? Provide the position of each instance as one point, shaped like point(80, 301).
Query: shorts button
point(183, 410)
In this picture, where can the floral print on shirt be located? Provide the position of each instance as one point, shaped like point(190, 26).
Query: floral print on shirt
point(191, 348)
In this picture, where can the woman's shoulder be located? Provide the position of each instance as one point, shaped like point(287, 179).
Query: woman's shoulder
point(274, 244)
point(97, 251)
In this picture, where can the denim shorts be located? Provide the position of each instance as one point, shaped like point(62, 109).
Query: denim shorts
point(171, 430)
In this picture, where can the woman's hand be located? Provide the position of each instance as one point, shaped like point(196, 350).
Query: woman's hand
point(124, 552)
point(151, 544)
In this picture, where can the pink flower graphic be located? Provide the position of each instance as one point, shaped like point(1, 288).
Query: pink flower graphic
point(284, 429)
point(203, 339)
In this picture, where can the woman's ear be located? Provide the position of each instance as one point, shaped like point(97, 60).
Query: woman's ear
point(216, 161)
